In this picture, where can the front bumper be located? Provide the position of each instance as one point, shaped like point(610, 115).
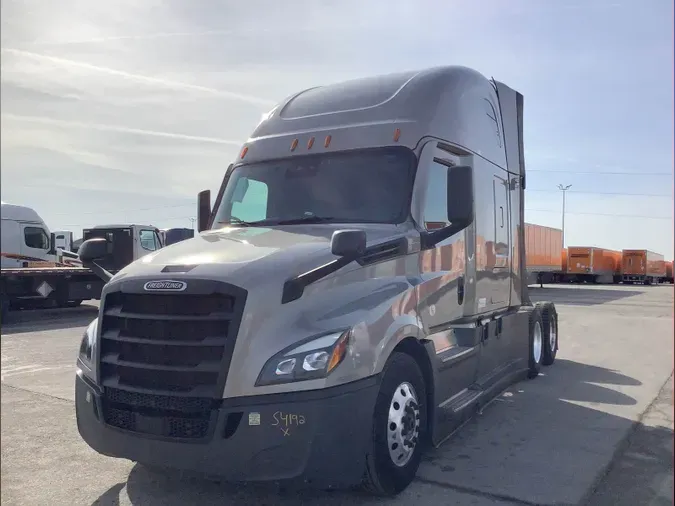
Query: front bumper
point(318, 438)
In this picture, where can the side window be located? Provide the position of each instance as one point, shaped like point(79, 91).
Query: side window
point(35, 237)
point(252, 205)
point(435, 212)
point(147, 238)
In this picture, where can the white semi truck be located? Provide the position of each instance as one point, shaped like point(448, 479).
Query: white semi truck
point(37, 272)
point(331, 319)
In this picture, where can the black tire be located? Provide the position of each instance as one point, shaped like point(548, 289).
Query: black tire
point(382, 477)
point(73, 303)
point(551, 336)
point(4, 308)
point(534, 364)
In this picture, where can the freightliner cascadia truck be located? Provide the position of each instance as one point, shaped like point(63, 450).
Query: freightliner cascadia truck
point(332, 318)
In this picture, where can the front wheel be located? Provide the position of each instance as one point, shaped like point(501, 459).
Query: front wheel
point(399, 428)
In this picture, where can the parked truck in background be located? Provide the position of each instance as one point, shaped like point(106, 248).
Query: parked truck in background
point(642, 266)
point(174, 235)
point(36, 274)
point(344, 324)
point(543, 250)
point(593, 265)
point(64, 240)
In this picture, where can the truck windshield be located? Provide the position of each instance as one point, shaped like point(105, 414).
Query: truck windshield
point(370, 186)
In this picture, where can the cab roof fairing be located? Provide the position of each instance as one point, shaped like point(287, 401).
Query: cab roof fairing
point(450, 103)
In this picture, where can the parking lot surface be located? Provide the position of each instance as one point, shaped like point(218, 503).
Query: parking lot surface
point(595, 428)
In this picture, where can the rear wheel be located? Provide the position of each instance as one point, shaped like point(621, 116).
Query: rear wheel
point(399, 428)
point(536, 343)
point(550, 321)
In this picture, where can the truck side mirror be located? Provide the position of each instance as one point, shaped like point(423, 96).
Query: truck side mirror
point(348, 243)
point(460, 196)
point(459, 206)
point(52, 244)
point(91, 250)
point(203, 210)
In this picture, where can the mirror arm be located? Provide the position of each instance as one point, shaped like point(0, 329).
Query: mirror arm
point(99, 271)
point(430, 239)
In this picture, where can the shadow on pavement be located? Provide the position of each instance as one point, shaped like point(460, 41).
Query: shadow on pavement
point(639, 475)
point(534, 444)
point(580, 296)
point(39, 320)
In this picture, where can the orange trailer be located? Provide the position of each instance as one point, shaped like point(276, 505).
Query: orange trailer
point(642, 266)
point(668, 278)
point(593, 264)
point(543, 253)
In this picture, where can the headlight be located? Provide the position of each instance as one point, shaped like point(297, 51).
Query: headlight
point(88, 348)
point(313, 359)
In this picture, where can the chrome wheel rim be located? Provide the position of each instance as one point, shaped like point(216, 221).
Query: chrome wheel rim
point(536, 342)
point(554, 334)
point(403, 424)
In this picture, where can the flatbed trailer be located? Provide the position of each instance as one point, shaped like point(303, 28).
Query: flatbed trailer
point(53, 286)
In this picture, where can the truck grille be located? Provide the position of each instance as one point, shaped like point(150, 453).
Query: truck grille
point(164, 357)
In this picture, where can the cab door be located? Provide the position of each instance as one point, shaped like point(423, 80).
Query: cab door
point(441, 294)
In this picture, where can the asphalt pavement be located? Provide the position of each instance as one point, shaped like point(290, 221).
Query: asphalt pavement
point(595, 429)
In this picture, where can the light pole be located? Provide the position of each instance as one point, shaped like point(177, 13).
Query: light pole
point(192, 222)
point(563, 189)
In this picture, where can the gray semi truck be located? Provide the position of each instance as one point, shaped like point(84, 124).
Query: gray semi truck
point(333, 317)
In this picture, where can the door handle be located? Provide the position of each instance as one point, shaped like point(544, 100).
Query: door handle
point(460, 290)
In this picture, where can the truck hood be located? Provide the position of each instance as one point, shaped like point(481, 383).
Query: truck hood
point(244, 256)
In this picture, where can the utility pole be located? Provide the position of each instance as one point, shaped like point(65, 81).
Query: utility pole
point(563, 189)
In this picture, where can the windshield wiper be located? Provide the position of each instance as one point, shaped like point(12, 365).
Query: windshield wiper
point(238, 222)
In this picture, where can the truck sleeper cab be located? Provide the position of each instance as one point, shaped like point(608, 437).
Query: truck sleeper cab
point(335, 314)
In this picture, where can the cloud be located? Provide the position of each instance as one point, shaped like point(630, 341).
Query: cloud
point(129, 104)
point(154, 81)
point(121, 129)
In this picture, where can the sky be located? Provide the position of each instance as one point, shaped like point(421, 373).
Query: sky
point(117, 112)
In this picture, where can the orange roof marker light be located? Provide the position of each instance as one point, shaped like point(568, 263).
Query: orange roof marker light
point(310, 143)
point(397, 134)
point(294, 144)
point(243, 152)
point(326, 143)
